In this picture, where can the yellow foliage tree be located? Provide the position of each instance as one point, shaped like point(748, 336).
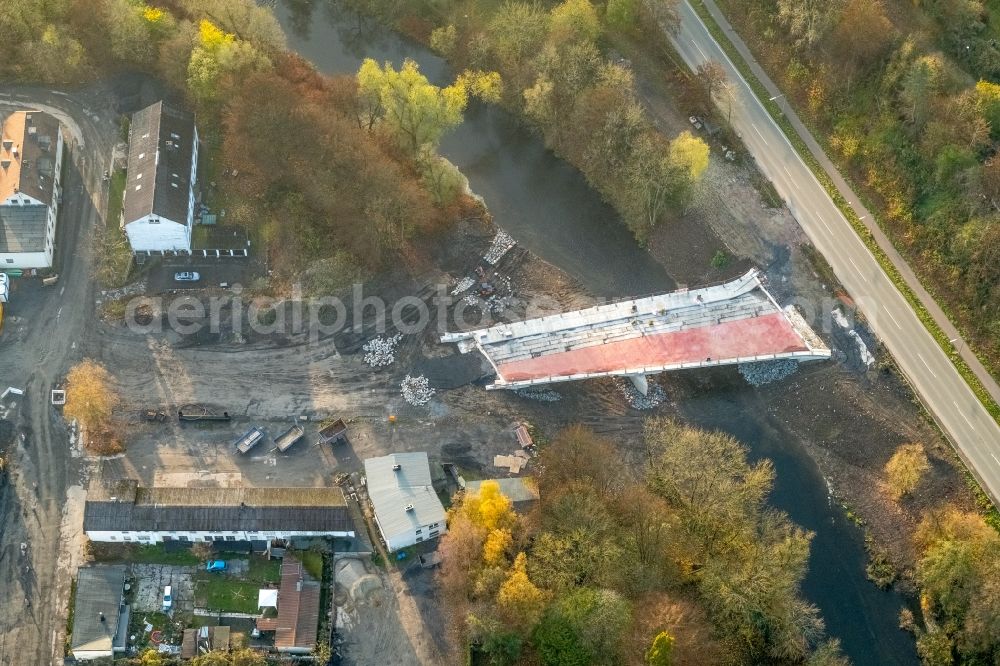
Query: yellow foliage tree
point(690, 153)
point(211, 37)
point(498, 542)
point(520, 599)
point(153, 14)
point(90, 398)
point(904, 469)
point(415, 111)
point(575, 20)
point(489, 508)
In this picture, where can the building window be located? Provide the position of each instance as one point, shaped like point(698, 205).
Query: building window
point(167, 538)
point(434, 534)
point(143, 537)
point(113, 537)
point(419, 531)
point(230, 538)
point(9, 261)
point(433, 525)
point(419, 539)
point(184, 538)
point(128, 538)
point(206, 538)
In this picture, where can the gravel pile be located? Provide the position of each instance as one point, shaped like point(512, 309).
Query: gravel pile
point(636, 400)
point(380, 351)
point(765, 372)
point(539, 394)
point(502, 242)
point(416, 390)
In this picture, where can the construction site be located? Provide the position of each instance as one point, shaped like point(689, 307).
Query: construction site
point(731, 323)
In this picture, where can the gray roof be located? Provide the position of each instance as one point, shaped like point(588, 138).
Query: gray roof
point(391, 491)
point(219, 510)
point(520, 491)
point(99, 590)
point(22, 228)
point(160, 149)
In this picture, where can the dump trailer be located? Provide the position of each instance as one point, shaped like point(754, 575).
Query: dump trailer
point(335, 432)
point(250, 439)
point(289, 437)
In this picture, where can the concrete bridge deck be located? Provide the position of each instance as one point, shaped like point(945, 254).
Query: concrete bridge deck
point(735, 322)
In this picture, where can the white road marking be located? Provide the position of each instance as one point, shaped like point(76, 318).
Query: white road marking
point(858, 269)
point(963, 414)
point(789, 175)
point(758, 133)
point(995, 458)
point(892, 318)
point(823, 221)
point(925, 365)
point(703, 55)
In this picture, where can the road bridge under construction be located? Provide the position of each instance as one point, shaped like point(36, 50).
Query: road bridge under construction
point(731, 323)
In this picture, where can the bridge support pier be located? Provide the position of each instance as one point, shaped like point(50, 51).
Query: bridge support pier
point(641, 383)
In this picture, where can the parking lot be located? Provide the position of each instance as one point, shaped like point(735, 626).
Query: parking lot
point(220, 272)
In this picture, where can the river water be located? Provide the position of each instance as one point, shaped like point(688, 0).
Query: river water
point(549, 208)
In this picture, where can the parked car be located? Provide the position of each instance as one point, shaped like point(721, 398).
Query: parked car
point(168, 600)
point(215, 565)
point(187, 276)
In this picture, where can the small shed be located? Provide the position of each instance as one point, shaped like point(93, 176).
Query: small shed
point(521, 491)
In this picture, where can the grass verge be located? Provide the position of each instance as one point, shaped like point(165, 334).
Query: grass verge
point(116, 198)
point(859, 227)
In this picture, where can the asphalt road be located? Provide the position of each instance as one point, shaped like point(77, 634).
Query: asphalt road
point(940, 387)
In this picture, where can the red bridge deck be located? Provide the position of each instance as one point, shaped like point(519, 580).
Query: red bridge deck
point(761, 336)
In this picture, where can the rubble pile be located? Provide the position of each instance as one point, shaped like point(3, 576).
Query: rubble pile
point(636, 400)
point(765, 372)
point(463, 285)
point(502, 243)
point(416, 390)
point(380, 352)
point(539, 394)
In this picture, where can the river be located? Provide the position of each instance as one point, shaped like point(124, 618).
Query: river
point(549, 208)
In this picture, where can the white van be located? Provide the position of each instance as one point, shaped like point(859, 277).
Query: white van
point(168, 601)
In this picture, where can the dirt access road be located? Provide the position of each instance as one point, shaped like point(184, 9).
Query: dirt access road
point(46, 330)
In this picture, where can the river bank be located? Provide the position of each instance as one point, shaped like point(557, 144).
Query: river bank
point(828, 428)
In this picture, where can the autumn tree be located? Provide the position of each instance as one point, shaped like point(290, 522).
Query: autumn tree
point(747, 561)
point(519, 599)
point(585, 626)
point(250, 657)
point(213, 658)
point(515, 34)
point(414, 111)
point(959, 573)
point(246, 20)
point(808, 21)
point(218, 55)
point(660, 653)
point(712, 76)
point(574, 21)
point(905, 468)
point(91, 399)
point(862, 34)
